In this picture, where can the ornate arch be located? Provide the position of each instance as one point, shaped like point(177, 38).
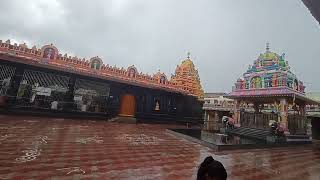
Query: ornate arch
point(256, 82)
point(96, 63)
point(132, 71)
point(49, 52)
point(163, 79)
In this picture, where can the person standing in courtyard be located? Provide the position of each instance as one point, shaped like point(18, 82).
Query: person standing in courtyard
point(211, 169)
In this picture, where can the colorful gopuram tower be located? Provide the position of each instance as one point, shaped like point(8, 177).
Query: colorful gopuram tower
point(269, 81)
point(186, 77)
point(269, 71)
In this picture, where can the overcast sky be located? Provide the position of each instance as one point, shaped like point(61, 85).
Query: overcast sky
point(223, 36)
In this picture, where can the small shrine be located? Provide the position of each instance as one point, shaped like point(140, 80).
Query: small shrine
point(274, 92)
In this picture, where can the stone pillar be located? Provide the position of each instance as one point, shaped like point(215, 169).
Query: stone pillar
point(302, 109)
point(256, 107)
point(205, 119)
point(284, 112)
point(236, 111)
point(215, 121)
point(69, 96)
point(210, 123)
point(15, 84)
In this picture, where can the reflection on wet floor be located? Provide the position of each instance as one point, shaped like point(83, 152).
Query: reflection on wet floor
point(218, 138)
point(86, 149)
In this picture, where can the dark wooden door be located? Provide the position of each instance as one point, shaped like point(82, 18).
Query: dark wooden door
point(127, 105)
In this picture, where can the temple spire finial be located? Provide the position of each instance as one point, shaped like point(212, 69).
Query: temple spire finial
point(188, 55)
point(267, 46)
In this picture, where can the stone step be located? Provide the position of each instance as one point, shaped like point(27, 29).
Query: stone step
point(251, 132)
point(298, 138)
point(123, 119)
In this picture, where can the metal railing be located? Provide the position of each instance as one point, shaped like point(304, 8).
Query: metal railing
point(297, 124)
point(257, 120)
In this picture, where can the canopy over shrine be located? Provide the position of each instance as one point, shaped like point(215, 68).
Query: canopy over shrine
point(270, 81)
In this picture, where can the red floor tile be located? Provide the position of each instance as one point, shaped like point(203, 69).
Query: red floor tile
point(52, 148)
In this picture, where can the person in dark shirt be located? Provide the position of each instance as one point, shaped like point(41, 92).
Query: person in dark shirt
point(211, 169)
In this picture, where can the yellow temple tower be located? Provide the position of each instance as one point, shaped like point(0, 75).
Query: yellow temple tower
point(187, 78)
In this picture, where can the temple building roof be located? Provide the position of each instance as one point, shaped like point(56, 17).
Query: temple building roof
point(48, 56)
point(314, 95)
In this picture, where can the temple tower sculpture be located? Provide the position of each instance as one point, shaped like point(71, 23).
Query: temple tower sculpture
point(186, 77)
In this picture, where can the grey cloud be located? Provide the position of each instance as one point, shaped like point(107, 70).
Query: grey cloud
point(223, 36)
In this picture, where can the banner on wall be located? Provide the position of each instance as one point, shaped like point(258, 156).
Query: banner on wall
point(77, 98)
point(43, 91)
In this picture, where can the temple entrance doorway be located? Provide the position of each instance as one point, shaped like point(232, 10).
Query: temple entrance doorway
point(127, 105)
point(315, 122)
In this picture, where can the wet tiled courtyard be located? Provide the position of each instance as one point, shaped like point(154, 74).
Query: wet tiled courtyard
point(55, 148)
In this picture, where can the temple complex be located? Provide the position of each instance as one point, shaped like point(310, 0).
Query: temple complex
point(43, 78)
point(270, 82)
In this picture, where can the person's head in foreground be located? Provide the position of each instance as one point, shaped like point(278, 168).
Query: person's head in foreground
point(211, 169)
